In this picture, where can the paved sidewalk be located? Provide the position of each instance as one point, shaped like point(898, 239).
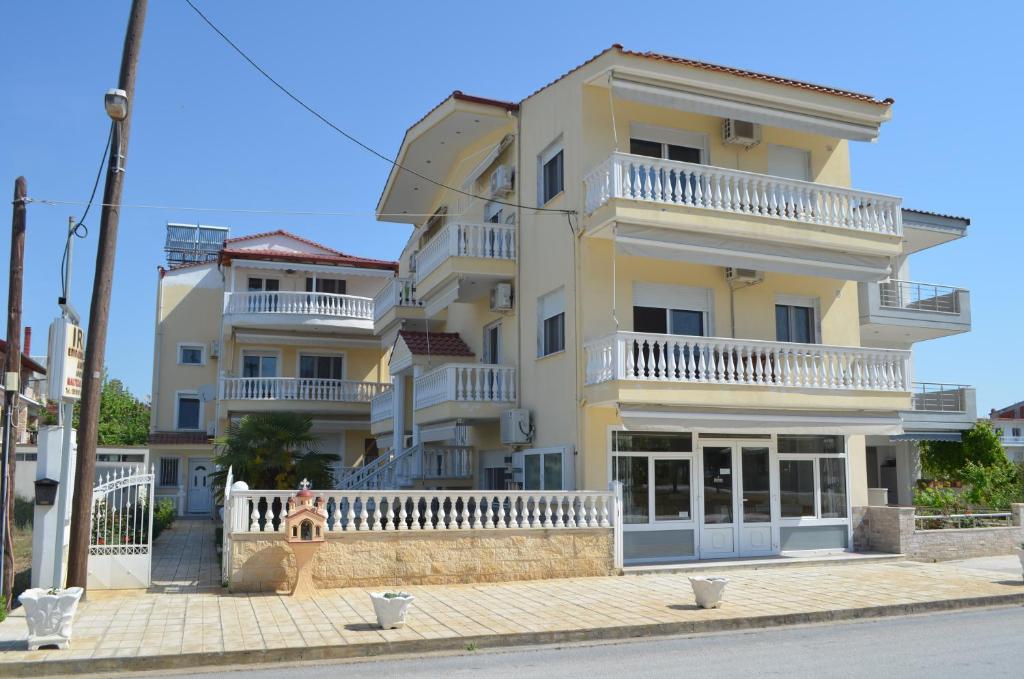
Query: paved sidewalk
point(185, 558)
point(167, 628)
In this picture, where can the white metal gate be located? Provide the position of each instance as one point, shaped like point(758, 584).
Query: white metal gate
point(121, 531)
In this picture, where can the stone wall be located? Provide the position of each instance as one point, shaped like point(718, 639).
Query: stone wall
point(265, 562)
point(891, 530)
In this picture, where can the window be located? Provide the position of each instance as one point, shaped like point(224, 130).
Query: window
point(673, 321)
point(264, 284)
point(492, 343)
point(551, 323)
point(789, 162)
point(653, 442)
point(259, 365)
point(169, 471)
point(190, 354)
point(656, 149)
point(334, 286)
point(323, 367)
point(796, 488)
point(188, 412)
point(812, 477)
point(542, 470)
point(552, 174)
point(795, 323)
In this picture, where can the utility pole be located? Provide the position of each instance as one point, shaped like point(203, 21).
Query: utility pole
point(119, 108)
point(12, 384)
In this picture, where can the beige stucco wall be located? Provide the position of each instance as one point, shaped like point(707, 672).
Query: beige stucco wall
point(376, 559)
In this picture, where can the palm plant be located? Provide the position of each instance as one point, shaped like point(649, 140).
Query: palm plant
point(272, 451)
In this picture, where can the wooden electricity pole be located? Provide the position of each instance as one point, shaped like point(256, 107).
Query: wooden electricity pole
point(12, 364)
point(99, 308)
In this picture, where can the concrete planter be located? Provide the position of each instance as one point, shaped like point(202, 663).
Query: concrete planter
point(708, 591)
point(50, 616)
point(391, 611)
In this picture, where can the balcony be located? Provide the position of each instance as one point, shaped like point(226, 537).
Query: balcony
point(628, 366)
point(901, 312)
point(469, 391)
point(396, 302)
point(298, 393)
point(303, 309)
point(382, 406)
point(938, 407)
point(462, 261)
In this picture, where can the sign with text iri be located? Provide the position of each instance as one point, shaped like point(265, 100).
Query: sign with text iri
point(65, 360)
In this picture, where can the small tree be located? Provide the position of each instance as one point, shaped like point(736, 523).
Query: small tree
point(272, 451)
point(947, 459)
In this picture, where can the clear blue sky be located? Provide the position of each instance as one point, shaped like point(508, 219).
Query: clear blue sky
point(208, 131)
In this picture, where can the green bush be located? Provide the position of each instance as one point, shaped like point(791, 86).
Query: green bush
point(945, 500)
point(996, 486)
point(164, 513)
point(23, 511)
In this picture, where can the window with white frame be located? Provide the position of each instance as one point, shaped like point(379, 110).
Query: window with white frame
point(551, 174)
point(191, 354)
point(188, 412)
point(551, 323)
point(797, 320)
point(672, 309)
point(812, 477)
point(323, 367)
point(168, 472)
point(547, 469)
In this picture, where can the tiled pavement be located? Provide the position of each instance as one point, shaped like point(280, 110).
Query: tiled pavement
point(185, 614)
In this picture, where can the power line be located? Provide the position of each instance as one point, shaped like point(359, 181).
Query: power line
point(348, 136)
point(80, 230)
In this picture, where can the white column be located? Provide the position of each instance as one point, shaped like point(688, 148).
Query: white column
point(398, 404)
point(416, 372)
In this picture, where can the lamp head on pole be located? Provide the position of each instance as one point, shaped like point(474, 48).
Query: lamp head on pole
point(116, 103)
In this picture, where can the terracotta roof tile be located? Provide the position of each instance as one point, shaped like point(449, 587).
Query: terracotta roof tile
point(26, 360)
point(179, 437)
point(228, 254)
point(937, 214)
point(286, 234)
point(437, 344)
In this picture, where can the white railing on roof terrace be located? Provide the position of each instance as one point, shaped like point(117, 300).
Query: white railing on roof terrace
point(307, 303)
point(476, 382)
point(720, 189)
point(399, 292)
point(485, 241)
point(919, 296)
point(715, 360)
point(298, 389)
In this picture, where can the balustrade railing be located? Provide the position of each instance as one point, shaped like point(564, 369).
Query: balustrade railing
point(688, 359)
point(306, 303)
point(298, 389)
point(932, 397)
point(399, 292)
point(486, 241)
point(260, 511)
point(919, 296)
point(674, 182)
point(382, 406)
point(479, 382)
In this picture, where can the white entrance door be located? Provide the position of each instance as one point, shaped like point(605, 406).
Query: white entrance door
point(200, 490)
point(718, 502)
point(756, 500)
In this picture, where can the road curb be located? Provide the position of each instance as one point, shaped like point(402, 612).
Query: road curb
point(52, 666)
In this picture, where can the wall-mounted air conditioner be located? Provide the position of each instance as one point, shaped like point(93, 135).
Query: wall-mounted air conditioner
point(515, 427)
point(502, 180)
point(741, 132)
point(737, 275)
point(501, 297)
point(214, 348)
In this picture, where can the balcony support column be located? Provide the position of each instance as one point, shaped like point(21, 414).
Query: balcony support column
point(398, 418)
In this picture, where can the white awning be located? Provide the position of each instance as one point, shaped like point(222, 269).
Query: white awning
point(707, 104)
point(761, 423)
point(686, 246)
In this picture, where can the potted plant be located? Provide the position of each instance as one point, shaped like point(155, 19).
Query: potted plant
point(708, 590)
point(50, 614)
point(391, 608)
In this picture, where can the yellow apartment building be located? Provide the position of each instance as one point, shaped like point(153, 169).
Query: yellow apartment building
point(659, 272)
point(269, 321)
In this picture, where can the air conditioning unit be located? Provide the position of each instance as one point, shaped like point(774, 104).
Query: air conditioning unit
point(407, 442)
point(741, 132)
point(214, 348)
point(501, 297)
point(736, 275)
point(502, 180)
point(515, 427)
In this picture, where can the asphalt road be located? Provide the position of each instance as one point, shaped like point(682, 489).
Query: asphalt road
point(984, 643)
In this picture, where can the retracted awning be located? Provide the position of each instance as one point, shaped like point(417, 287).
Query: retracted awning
point(927, 436)
point(709, 104)
point(686, 246)
point(764, 422)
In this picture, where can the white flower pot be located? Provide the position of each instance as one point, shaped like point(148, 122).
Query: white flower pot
point(50, 616)
point(391, 612)
point(708, 591)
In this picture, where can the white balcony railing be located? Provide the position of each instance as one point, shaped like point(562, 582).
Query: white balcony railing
point(486, 241)
point(298, 389)
point(399, 292)
point(472, 382)
point(1010, 440)
point(940, 398)
point(898, 294)
point(382, 406)
point(673, 182)
point(715, 360)
point(306, 303)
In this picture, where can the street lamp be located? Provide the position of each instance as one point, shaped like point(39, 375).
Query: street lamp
point(116, 103)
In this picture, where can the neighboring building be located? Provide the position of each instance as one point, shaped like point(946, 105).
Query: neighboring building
point(110, 460)
point(1010, 423)
point(270, 321)
point(32, 389)
point(721, 323)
